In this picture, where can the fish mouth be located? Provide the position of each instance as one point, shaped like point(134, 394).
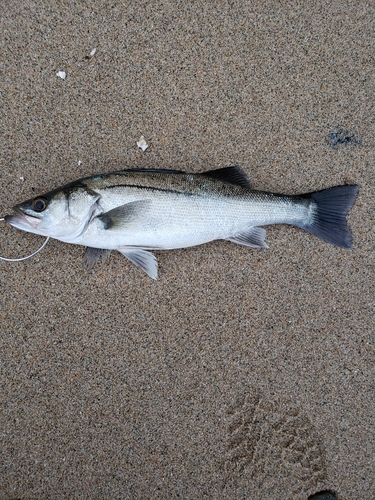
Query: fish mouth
point(20, 219)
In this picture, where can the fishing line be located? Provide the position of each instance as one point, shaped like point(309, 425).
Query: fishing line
point(29, 256)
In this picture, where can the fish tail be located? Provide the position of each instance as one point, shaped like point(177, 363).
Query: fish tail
point(328, 215)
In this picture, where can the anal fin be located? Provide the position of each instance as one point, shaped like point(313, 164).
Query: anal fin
point(254, 237)
point(143, 259)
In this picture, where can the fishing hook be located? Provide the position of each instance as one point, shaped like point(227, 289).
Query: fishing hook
point(29, 256)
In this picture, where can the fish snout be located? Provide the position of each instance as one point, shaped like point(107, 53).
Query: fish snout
point(20, 219)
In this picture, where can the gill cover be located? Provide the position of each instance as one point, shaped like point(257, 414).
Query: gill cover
point(80, 205)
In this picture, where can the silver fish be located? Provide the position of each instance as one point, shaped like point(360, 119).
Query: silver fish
point(137, 210)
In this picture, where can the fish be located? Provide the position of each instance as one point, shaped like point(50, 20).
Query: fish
point(135, 211)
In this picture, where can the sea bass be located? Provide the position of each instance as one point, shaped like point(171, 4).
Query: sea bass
point(137, 210)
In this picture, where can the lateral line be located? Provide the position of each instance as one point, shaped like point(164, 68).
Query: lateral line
point(150, 188)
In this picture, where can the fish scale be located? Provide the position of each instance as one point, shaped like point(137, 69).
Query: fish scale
point(134, 211)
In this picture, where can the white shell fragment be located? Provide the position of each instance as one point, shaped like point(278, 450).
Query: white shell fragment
point(142, 144)
point(61, 74)
point(92, 53)
point(22, 178)
point(79, 163)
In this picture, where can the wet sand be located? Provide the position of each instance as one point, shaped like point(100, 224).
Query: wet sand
point(240, 373)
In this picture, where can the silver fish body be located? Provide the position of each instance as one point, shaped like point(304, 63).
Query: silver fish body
point(133, 211)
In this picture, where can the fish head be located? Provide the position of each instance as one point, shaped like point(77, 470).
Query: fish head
point(62, 214)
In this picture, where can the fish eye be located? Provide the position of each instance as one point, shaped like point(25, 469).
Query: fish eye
point(39, 204)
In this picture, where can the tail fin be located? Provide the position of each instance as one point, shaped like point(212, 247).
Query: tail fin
point(329, 218)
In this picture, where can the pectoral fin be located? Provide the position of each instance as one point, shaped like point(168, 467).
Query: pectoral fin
point(254, 237)
point(125, 216)
point(145, 260)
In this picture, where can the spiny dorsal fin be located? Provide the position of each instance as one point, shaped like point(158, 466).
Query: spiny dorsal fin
point(234, 175)
point(124, 216)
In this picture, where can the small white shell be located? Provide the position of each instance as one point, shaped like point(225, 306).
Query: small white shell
point(92, 53)
point(142, 144)
point(61, 74)
point(79, 163)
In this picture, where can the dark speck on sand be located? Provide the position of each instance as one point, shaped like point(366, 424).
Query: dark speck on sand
point(342, 137)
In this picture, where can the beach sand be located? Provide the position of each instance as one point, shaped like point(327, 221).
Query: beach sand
point(239, 373)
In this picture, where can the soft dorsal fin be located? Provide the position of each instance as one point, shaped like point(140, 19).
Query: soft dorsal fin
point(152, 171)
point(234, 175)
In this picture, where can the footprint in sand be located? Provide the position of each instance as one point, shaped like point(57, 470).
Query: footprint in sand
point(274, 445)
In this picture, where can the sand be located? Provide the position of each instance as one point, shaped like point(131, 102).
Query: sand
point(240, 373)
